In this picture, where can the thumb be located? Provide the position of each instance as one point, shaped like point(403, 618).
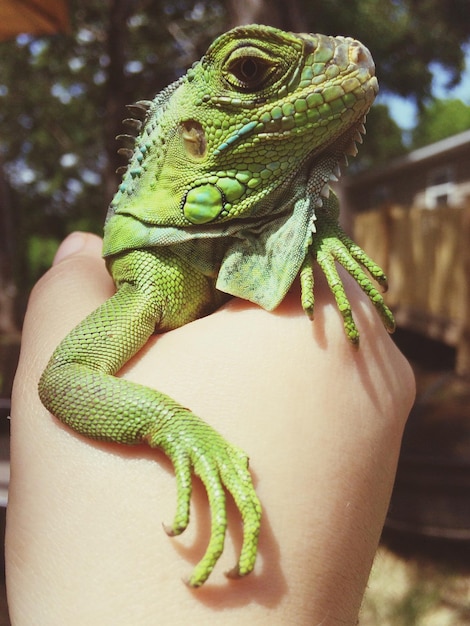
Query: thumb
point(78, 243)
point(77, 283)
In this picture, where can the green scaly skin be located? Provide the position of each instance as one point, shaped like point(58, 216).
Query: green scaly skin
point(226, 193)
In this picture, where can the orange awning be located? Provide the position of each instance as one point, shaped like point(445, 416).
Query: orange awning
point(35, 17)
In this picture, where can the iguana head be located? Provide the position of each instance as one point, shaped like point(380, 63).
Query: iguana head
point(262, 113)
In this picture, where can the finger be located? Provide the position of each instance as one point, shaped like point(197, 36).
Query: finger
point(78, 243)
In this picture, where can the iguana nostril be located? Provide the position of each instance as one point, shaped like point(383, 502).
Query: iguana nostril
point(360, 55)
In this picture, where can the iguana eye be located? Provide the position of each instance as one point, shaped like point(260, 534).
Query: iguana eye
point(248, 69)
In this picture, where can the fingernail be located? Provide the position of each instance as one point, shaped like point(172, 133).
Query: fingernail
point(75, 242)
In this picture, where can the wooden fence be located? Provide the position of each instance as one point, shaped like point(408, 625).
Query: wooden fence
point(426, 255)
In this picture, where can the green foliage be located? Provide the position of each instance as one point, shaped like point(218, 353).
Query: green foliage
point(440, 119)
point(51, 114)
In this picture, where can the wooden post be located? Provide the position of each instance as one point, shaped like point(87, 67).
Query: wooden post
point(463, 346)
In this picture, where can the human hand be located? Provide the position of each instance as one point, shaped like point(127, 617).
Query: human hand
point(320, 420)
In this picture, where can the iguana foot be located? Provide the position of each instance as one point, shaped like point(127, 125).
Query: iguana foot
point(194, 447)
point(330, 245)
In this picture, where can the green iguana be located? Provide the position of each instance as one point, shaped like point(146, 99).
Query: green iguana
point(226, 193)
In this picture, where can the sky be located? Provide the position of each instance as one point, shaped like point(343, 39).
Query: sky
point(403, 110)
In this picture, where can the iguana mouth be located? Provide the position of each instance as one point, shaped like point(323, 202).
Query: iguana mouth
point(330, 159)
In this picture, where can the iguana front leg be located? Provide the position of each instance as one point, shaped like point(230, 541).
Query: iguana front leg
point(331, 245)
point(79, 388)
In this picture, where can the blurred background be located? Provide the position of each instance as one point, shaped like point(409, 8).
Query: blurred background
point(67, 70)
